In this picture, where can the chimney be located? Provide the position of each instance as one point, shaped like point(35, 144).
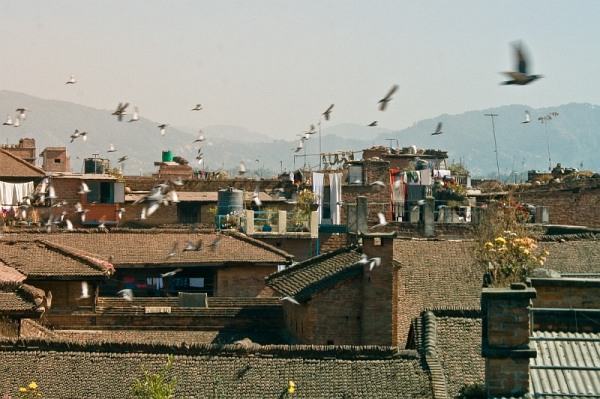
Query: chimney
point(379, 313)
point(428, 217)
point(506, 345)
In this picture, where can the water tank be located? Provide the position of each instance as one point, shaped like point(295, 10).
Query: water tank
point(167, 156)
point(95, 165)
point(230, 200)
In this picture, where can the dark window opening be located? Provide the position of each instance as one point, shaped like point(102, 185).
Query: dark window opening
point(329, 342)
point(100, 193)
point(188, 212)
point(56, 160)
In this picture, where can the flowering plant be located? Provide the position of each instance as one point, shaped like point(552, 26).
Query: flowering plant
point(511, 258)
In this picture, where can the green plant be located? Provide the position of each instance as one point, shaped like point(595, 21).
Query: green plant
point(306, 200)
point(159, 385)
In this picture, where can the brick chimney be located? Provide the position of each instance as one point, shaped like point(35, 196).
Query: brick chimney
point(379, 313)
point(505, 339)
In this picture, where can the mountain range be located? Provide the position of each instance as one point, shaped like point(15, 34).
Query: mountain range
point(471, 138)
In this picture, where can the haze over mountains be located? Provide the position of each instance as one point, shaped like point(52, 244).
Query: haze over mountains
point(571, 138)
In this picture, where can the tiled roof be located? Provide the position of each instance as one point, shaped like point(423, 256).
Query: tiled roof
point(205, 196)
point(577, 256)
point(212, 374)
point(21, 299)
point(13, 166)
point(37, 259)
point(566, 365)
point(150, 247)
point(305, 278)
point(10, 277)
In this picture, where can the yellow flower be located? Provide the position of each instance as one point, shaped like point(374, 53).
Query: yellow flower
point(291, 390)
point(291, 387)
point(22, 389)
point(500, 241)
point(33, 385)
point(488, 245)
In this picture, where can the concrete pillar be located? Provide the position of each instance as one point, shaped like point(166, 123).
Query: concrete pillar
point(361, 214)
point(506, 347)
point(314, 224)
point(282, 221)
point(428, 217)
point(249, 216)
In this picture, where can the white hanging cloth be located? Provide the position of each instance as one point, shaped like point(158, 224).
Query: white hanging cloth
point(318, 181)
point(13, 193)
point(335, 196)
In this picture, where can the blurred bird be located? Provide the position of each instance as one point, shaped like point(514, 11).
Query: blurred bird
point(438, 129)
point(527, 117)
point(377, 185)
point(135, 116)
point(200, 137)
point(171, 273)
point(111, 148)
point(123, 159)
point(374, 123)
point(120, 212)
point(71, 80)
point(8, 121)
point(85, 290)
point(419, 203)
point(215, 243)
point(242, 169)
point(327, 112)
point(520, 77)
point(22, 113)
point(68, 225)
point(290, 299)
point(190, 246)
point(198, 107)
point(83, 188)
point(382, 221)
point(255, 196)
point(120, 111)
point(162, 128)
point(75, 135)
point(373, 262)
point(48, 300)
point(17, 122)
point(126, 294)
point(388, 97)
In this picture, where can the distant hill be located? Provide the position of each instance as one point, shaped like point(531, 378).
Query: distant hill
point(572, 136)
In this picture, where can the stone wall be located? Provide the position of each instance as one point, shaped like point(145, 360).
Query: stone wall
point(243, 281)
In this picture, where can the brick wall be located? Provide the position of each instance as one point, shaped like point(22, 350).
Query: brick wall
point(65, 294)
point(379, 318)
point(569, 203)
point(505, 340)
point(243, 281)
point(54, 159)
point(301, 246)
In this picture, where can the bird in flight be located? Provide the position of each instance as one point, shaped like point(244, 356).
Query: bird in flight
point(126, 294)
point(123, 159)
point(8, 121)
point(327, 112)
point(162, 128)
point(242, 168)
point(527, 117)
point(78, 134)
point(438, 129)
point(22, 113)
point(171, 273)
point(111, 148)
point(200, 137)
point(382, 221)
point(135, 116)
point(520, 77)
point(388, 97)
point(71, 80)
point(198, 107)
point(374, 123)
point(120, 111)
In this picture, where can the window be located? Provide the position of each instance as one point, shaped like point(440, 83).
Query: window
point(188, 212)
point(100, 193)
point(355, 174)
point(57, 160)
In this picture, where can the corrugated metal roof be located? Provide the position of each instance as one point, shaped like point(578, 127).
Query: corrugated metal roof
point(567, 365)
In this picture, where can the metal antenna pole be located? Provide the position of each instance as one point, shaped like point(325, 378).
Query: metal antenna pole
point(320, 166)
point(544, 119)
point(495, 143)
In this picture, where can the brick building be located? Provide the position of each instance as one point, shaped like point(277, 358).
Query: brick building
point(55, 159)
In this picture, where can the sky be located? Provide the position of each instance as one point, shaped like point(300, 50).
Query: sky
point(273, 66)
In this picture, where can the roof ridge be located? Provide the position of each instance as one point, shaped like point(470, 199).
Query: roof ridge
point(436, 370)
point(24, 162)
point(310, 262)
point(90, 259)
point(258, 243)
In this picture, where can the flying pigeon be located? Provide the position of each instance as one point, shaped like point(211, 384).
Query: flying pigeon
point(374, 123)
point(83, 188)
point(200, 137)
point(290, 299)
point(198, 107)
point(388, 97)
point(123, 158)
point(527, 117)
point(190, 246)
point(215, 243)
point(438, 129)
point(373, 262)
point(126, 294)
point(171, 273)
point(8, 121)
point(111, 148)
point(85, 292)
point(71, 80)
point(382, 221)
point(162, 128)
point(255, 195)
point(17, 122)
point(22, 113)
point(520, 77)
point(327, 112)
point(120, 111)
point(242, 168)
point(135, 116)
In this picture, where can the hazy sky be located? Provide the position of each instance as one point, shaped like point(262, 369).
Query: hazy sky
point(275, 66)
